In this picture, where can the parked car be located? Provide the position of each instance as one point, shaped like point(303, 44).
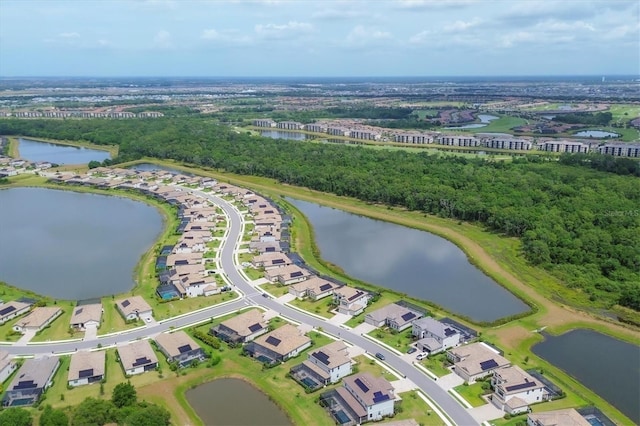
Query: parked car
point(421, 356)
point(380, 356)
point(411, 350)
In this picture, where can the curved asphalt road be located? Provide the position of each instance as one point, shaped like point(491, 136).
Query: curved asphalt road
point(447, 403)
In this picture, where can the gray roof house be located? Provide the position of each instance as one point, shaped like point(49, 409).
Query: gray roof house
point(394, 316)
point(241, 328)
point(11, 310)
point(179, 347)
point(37, 319)
point(476, 360)
point(86, 368)
point(86, 316)
point(434, 336)
point(31, 381)
point(7, 365)
point(134, 307)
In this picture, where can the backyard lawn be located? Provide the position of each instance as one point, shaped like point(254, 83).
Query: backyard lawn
point(274, 289)
point(371, 366)
point(400, 341)
point(321, 307)
point(414, 407)
point(436, 364)
point(472, 393)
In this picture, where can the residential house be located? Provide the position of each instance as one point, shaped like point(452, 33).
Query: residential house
point(31, 381)
point(515, 390)
point(475, 361)
point(37, 319)
point(180, 348)
point(133, 308)
point(394, 316)
point(566, 417)
point(324, 365)
point(287, 274)
point(279, 345)
point(434, 336)
point(563, 146)
point(7, 365)
point(184, 259)
point(271, 260)
point(137, 357)
point(189, 244)
point(362, 398)
point(86, 316)
point(265, 247)
point(350, 300)
point(86, 368)
point(315, 288)
point(242, 328)
point(10, 310)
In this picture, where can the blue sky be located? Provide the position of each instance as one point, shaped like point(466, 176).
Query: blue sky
point(318, 38)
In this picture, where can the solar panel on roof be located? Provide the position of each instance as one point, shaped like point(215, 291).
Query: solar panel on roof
point(296, 274)
point(408, 316)
point(7, 310)
point(355, 296)
point(273, 341)
point(519, 386)
point(184, 348)
point(255, 327)
point(449, 332)
point(25, 384)
point(379, 397)
point(141, 361)
point(277, 261)
point(488, 364)
point(361, 385)
point(125, 303)
point(270, 249)
point(79, 311)
point(325, 287)
point(85, 373)
point(322, 357)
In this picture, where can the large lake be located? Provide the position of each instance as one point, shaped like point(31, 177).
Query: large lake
point(410, 261)
point(72, 245)
point(608, 366)
point(59, 154)
point(233, 402)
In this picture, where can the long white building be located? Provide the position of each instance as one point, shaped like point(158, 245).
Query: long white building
point(620, 150)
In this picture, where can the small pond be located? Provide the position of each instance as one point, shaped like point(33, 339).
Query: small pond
point(150, 167)
point(234, 402)
point(58, 154)
point(608, 366)
point(277, 134)
point(484, 120)
point(596, 134)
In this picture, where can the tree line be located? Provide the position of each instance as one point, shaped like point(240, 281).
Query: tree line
point(576, 221)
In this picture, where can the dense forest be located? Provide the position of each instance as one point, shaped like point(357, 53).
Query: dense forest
point(583, 225)
point(597, 119)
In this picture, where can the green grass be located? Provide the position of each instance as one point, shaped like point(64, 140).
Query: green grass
point(111, 318)
point(253, 273)
point(504, 124)
point(413, 407)
point(436, 364)
point(245, 257)
point(320, 307)
point(472, 393)
point(275, 290)
point(177, 307)
point(371, 366)
point(400, 341)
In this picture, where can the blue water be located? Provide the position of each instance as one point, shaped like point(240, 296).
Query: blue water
point(58, 154)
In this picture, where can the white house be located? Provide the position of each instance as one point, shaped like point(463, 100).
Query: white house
point(133, 308)
point(86, 316)
point(394, 316)
point(475, 361)
point(10, 310)
point(86, 368)
point(434, 336)
point(515, 390)
point(565, 417)
point(350, 301)
point(137, 357)
point(374, 394)
point(7, 365)
point(37, 319)
point(241, 328)
point(279, 345)
point(287, 274)
point(327, 364)
point(315, 288)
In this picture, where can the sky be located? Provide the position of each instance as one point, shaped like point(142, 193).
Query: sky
point(263, 38)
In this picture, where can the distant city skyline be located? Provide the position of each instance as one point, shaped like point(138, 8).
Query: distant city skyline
point(332, 38)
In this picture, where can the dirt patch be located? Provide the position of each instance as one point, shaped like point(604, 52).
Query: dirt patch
point(511, 337)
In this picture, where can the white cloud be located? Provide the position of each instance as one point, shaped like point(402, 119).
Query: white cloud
point(361, 36)
point(623, 32)
point(337, 14)
point(433, 4)
point(225, 36)
point(290, 29)
point(69, 35)
point(459, 26)
point(163, 40)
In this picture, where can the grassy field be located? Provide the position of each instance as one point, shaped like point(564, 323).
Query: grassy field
point(274, 289)
point(413, 407)
point(321, 307)
point(400, 341)
point(472, 393)
point(504, 124)
point(371, 366)
point(436, 364)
